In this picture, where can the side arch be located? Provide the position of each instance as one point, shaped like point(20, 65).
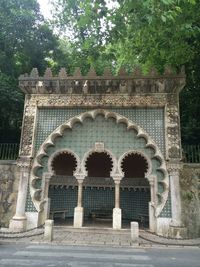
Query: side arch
point(60, 152)
point(59, 131)
point(140, 153)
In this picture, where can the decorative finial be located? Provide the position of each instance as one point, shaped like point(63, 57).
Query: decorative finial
point(122, 72)
point(62, 73)
point(34, 73)
point(92, 72)
point(168, 71)
point(153, 72)
point(48, 73)
point(137, 71)
point(77, 73)
point(107, 72)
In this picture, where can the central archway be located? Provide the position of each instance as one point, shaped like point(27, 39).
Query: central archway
point(135, 189)
point(98, 196)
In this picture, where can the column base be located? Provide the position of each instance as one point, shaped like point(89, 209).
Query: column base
point(18, 224)
point(78, 217)
point(117, 218)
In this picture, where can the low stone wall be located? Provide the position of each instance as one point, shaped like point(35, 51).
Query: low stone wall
point(190, 195)
point(9, 179)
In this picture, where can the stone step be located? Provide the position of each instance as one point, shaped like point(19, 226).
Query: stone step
point(91, 230)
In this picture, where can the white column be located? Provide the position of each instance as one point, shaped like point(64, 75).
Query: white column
point(117, 194)
point(152, 204)
point(18, 222)
point(46, 182)
point(117, 213)
point(79, 211)
point(175, 194)
point(80, 193)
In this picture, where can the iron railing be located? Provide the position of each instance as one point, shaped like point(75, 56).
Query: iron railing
point(191, 153)
point(9, 151)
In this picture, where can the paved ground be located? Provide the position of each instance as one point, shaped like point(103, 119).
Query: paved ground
point(78, 256)
point(96, 237)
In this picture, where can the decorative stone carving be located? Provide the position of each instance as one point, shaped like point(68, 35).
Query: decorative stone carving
point(140, 153)
point(106, 151)
point(173, 132)
point(62, 151)
point(99, 147)
point(116, 170)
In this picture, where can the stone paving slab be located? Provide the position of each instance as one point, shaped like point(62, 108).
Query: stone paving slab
point(87, 236)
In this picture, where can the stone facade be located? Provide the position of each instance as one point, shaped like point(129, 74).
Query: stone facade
point(100, 95)
point(9, 182)
point(190, 195)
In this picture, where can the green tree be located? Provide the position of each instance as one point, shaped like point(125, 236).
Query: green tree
point(148, 33)
point(26, 41)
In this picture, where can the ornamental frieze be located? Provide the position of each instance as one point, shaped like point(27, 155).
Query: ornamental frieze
point(27, 136)
point(97, 100)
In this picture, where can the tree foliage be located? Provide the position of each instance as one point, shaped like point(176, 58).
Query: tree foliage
point(148, 33)
point(25, 42)
point(100, 33)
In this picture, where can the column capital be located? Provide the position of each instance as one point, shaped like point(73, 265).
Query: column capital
point(117, 176)
point(80, 176)
point(151, 179)
point(24, 162)
point(174, 167)
point(47, 176)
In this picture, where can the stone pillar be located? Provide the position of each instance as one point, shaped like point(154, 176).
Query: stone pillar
point(117, 213)
point(18, 222)
point(45, 188)
point(48, 230)
point(177, 229)
point(152, 204)
point(135, 233)
point(175, 193)
point(79, 211)
point(117, 194)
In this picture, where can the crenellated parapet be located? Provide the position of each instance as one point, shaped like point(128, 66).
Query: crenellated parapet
point(123, 83)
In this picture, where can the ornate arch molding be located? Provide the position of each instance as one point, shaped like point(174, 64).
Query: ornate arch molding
point(58, 132)
point(104, 150)
point(60, 152)
point(139, 153)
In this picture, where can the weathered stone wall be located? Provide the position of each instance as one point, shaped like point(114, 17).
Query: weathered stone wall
point(190, 194)
point(9, 179)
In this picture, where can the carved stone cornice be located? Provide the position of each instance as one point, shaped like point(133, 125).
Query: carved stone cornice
point(126, 83)
point(96, 100)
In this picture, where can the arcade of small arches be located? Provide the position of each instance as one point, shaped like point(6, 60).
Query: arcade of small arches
point(99, 165)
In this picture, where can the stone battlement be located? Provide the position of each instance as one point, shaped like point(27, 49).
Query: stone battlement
point(123, 83)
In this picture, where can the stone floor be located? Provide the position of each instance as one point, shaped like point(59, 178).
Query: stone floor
point(96, 237)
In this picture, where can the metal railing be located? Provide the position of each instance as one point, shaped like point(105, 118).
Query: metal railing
point(191, 153)
point(9, 151)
